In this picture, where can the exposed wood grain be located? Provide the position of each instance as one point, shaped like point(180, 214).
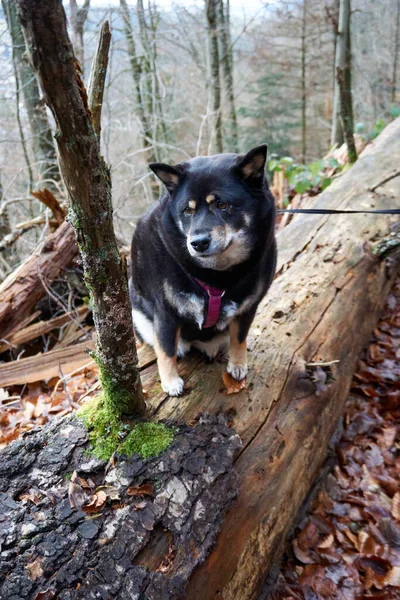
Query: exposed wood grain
point(24, 287)
point(42, 367)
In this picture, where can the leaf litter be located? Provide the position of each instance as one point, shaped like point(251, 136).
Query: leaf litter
point(348, 545)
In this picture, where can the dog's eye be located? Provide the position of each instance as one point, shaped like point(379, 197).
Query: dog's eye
point(222, 205)
point(189, 211)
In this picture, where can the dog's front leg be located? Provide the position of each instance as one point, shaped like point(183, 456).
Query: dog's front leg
point(166, 344)
point(238, 330)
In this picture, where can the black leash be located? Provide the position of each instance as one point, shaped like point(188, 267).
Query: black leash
point(333, 211)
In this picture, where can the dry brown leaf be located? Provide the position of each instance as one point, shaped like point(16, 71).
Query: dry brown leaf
point(96, 504)
point(232, 386)
point(34, 569)
point(327, 542)
point(396, 506)
point(146, 489)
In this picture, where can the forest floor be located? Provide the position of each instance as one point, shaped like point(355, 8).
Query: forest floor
point(347, 547)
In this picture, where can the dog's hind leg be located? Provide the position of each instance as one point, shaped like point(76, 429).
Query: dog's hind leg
point(166, 346)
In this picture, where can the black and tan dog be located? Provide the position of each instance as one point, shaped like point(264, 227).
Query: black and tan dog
point(202, 259)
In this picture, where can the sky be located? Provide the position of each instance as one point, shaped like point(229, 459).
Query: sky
point(237, 6)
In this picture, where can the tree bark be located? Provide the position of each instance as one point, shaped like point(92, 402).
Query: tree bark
point(303, 85)
point(227, 71)
point(336, 129)
point(396, 55)
point(343, 76)
point(215, 84)
point(87, 179)
point(97, 76)
point(24, 287)
point(52, 550)
point(78, 20)
point(43, 145)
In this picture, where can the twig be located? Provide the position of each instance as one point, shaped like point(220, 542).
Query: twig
point(97, 76)
point(322, 364)
point(385, 180)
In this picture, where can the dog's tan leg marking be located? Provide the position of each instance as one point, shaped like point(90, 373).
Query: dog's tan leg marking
point(237, 365)
point(171, 383)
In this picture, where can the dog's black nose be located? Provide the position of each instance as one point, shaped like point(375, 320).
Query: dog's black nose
point(200, 243)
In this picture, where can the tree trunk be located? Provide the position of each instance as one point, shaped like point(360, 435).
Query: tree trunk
point(215, 84)
point(87, 179)
point(303, 85)
point(153, 100)
point(227, 71)
point(137, 71)
point(42, 145)
point(336, 129)
point(396, 55)
point(52, 548)
point(78, 20)
point(343, 76)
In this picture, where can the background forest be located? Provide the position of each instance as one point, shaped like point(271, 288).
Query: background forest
point(187, 79)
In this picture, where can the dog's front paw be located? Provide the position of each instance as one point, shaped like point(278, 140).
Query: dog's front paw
point(238, 372)
point(173, 387)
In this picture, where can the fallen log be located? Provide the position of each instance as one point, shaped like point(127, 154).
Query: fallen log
point(31, 332)
point(65, 361)
point(26, 285)
point(324, 303)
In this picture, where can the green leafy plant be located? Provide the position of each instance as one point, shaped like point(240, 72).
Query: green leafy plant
point(303, 178)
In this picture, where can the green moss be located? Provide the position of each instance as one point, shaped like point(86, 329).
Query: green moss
point(108, 433)
point(147, 439)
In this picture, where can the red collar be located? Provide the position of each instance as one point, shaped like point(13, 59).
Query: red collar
point(213, 304)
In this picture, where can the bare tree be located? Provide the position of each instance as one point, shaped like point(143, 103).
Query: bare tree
point(396, 55)
point(78, 19)
point(214, 84)
point(303, 84)
point(226, 60)
point(135, 62)
point(42, 140)
point(343, 76)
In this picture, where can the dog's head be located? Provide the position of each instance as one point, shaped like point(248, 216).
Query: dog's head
point(217, 204)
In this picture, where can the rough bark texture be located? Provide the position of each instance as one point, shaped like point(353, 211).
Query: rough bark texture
point(50, 550)
point(215, 84)
point(24, 287)
point(227, 72)
point(42, 139)
point(97, 77)
point(87, 179)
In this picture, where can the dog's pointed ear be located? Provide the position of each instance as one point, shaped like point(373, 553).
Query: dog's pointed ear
point(170, 176)
point(251, 166)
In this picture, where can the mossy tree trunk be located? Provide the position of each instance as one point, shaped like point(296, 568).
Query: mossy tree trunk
point(87, 179)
